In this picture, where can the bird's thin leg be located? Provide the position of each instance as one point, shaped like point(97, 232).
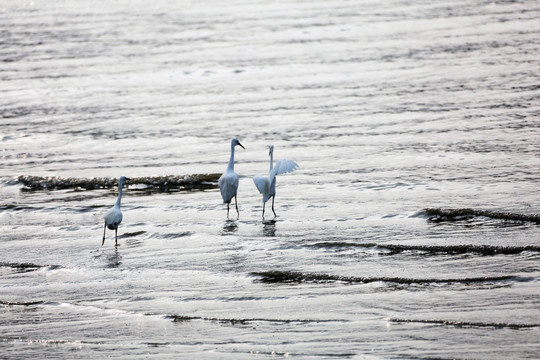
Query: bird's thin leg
point(236, 204)
point(264, 204)
point(273, 206)
point(104, 229)
point(227, 210)
point(116, 236)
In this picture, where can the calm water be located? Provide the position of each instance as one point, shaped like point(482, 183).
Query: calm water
point(388, 107)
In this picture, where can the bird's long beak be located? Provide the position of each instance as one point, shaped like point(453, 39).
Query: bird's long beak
point(103, 242)
point(241, 145)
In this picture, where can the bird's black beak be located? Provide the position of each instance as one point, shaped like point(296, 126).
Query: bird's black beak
point(241, 145)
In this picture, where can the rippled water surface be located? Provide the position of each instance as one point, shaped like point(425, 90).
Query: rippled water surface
point(389, 108)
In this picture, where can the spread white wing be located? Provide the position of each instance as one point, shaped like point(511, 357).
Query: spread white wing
point(262, 183)
point(283, 166)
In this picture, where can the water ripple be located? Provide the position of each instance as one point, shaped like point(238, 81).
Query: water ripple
point(300, 277)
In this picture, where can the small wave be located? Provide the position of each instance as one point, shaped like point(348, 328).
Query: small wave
point(18, 207)
point(34, 341)
point(435, 249)
point(439, 215)
point(20, 303)
point(463, 249)
point(156, 183)
point(300, 277)
point(172, 235)
point(26, 267)
point(467, 323)
point(243, 321)
point(156, 344)
point(135, 233)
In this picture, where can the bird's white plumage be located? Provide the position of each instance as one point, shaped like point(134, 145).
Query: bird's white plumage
point(265, 188)
point(267, 184)
point(228, 182)
point(284, 166)
point(228, 185)
point(113, 217)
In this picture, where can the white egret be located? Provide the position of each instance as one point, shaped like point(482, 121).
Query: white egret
point(267, 184)
point(228, 182)
point(113, 218)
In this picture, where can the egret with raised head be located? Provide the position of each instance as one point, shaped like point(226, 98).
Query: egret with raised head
point(228, 182)
point(113, 218)
point(267, 184)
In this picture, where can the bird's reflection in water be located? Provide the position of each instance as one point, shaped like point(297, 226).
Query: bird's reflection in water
point(269, 228)
point(229, 228)
point(113, 259)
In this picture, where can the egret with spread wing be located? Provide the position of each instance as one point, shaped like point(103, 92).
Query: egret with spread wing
point(113, 218)
point(267, 184)
point(228, 182)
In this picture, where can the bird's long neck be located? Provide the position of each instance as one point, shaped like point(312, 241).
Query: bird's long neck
point(271, 160)
point(230, 167)
point(119, 200)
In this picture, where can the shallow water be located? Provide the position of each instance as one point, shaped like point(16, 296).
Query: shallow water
point(389, 109)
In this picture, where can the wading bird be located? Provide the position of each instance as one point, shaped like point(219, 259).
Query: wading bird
point(113, 218)
point(267, 184)
point(228, 182)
